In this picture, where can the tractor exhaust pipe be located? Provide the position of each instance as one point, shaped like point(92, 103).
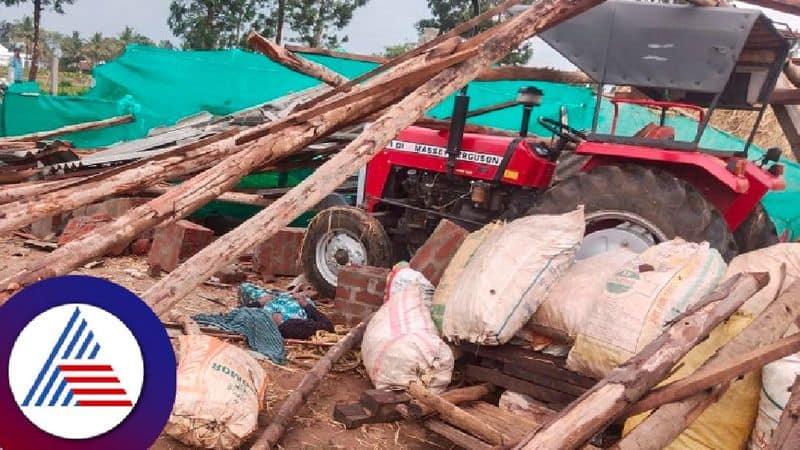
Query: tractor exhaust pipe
point(458, 122)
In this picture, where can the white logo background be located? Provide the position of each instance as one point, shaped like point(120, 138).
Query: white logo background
point(118, 349)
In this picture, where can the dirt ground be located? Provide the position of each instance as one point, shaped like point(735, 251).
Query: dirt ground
point(314, 427)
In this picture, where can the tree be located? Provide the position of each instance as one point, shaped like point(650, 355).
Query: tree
point(72, 51)
point(317, 22)
point(215, 24)
point(447, 14)
point(393, 51)
point(38, 7)
point(166, 44)
point(129, 36)
point(100, 48)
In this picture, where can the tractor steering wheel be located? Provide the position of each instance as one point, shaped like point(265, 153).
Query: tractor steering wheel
point(562, 130)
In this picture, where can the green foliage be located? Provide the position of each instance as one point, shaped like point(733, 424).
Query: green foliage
point(317, 23)
point(216, 24)
point(393, 51)
point(129, 36)
point(447, 14)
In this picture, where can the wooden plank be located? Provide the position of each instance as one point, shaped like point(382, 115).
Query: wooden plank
point(498, 378)
point(542, 380)
point(457, 436)
point(42, 135)
point(335, 54)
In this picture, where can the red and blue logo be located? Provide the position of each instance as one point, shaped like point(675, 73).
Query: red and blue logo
point(89, 366)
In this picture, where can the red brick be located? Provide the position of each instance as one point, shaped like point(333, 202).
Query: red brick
point(81, 226)
point(176, 242)
point(360, 292)
point(433, 257)
point(280, 255)
point(141, 246)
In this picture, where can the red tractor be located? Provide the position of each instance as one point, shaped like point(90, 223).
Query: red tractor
point(637, 190)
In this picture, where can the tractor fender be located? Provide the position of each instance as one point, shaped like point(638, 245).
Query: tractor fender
point(735, 196)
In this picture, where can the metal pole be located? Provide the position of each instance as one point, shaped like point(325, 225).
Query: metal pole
point(752, 136)
point(596, 117)
point(702, 127)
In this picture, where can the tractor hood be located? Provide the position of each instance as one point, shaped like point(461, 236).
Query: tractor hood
point(675, 49)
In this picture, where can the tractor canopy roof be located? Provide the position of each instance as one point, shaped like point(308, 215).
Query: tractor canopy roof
point(677, 52)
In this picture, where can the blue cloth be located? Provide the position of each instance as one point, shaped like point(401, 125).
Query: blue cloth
point(16, 67)
point(283, 303)
point(255, 325)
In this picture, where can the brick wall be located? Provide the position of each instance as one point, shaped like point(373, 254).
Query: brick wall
point(433, 257)
point(360, 292)
point(279, 255)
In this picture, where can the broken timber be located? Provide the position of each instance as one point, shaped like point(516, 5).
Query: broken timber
point(277, 427)
point(602, 404)
point(542, 15)
point(69, 129)
point(283, 56)
point(787, 434)
point(667, 422)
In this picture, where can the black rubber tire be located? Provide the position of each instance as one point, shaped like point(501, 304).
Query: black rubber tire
point(757, 231)
point(356, 221)
point(672, 205)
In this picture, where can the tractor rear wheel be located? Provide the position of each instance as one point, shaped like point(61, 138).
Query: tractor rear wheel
point(635, 207)
point(757, 231)
point(340, 236)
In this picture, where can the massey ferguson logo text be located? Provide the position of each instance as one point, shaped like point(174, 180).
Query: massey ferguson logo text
point(441, 152)
point(89, 376)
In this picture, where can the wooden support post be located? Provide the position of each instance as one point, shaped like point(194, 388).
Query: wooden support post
point(668, 422)
point(602, 404)
point(454, 415)
point(787, 433)
point(541, 15)
point(42, 135)
point(717, 374)
point(284, 57)
point(277, 427)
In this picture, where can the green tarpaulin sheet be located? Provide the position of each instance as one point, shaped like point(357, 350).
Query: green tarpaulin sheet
point(162, 86)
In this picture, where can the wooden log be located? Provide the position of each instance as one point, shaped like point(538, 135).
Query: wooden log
point(454, 396)
point(456, 31)
point(194, 193)
point(602, 404)
point(183, 160)
point(454, 415)
point(284, 57)
point(14, 192)
point(787, 434)
point(784, 96)
point(457, 436)
point(668, 422)
point(715, 375)
point(335, 54)
point(230, 197)
point(787, 6)
point(42, 135)
point(540, 16)
point(277, 427)
point(517, 73)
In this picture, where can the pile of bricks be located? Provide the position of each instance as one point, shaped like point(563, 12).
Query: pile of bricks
point(280, 255)
point(78, 227)
point(361, 289)
point(175, 243)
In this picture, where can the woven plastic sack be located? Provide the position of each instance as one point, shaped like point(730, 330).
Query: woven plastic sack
point(220, 389)
point(570, 303)
point(450, 277)
point(640, 299)
point(777, 380)
point(509, 276)
point(768, 260)
point(400, 344)
point(727, 423)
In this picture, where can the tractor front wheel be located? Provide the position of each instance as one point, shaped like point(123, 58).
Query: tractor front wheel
point(636, 207)
point(340, 236)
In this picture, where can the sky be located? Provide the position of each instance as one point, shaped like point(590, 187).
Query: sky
point(375, 26)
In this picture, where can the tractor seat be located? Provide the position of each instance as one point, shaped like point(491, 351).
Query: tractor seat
point(656, 132)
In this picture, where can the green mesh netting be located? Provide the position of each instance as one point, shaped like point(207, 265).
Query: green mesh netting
point(163, 86)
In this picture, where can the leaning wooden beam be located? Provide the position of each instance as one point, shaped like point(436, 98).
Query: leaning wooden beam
point(517, 73)
point(277, 427)
point(454, 415)
point(19, 191)
point(182, 160)
point(284, 57)
point(335, 54)
point(455, 32)
point(42, 135)
point(194, 193)
point(669, 421)
point(454, 396)
point(230, 197)
point(787, 434)
point(602, 404)
point(541, 15)
point(717, 374)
